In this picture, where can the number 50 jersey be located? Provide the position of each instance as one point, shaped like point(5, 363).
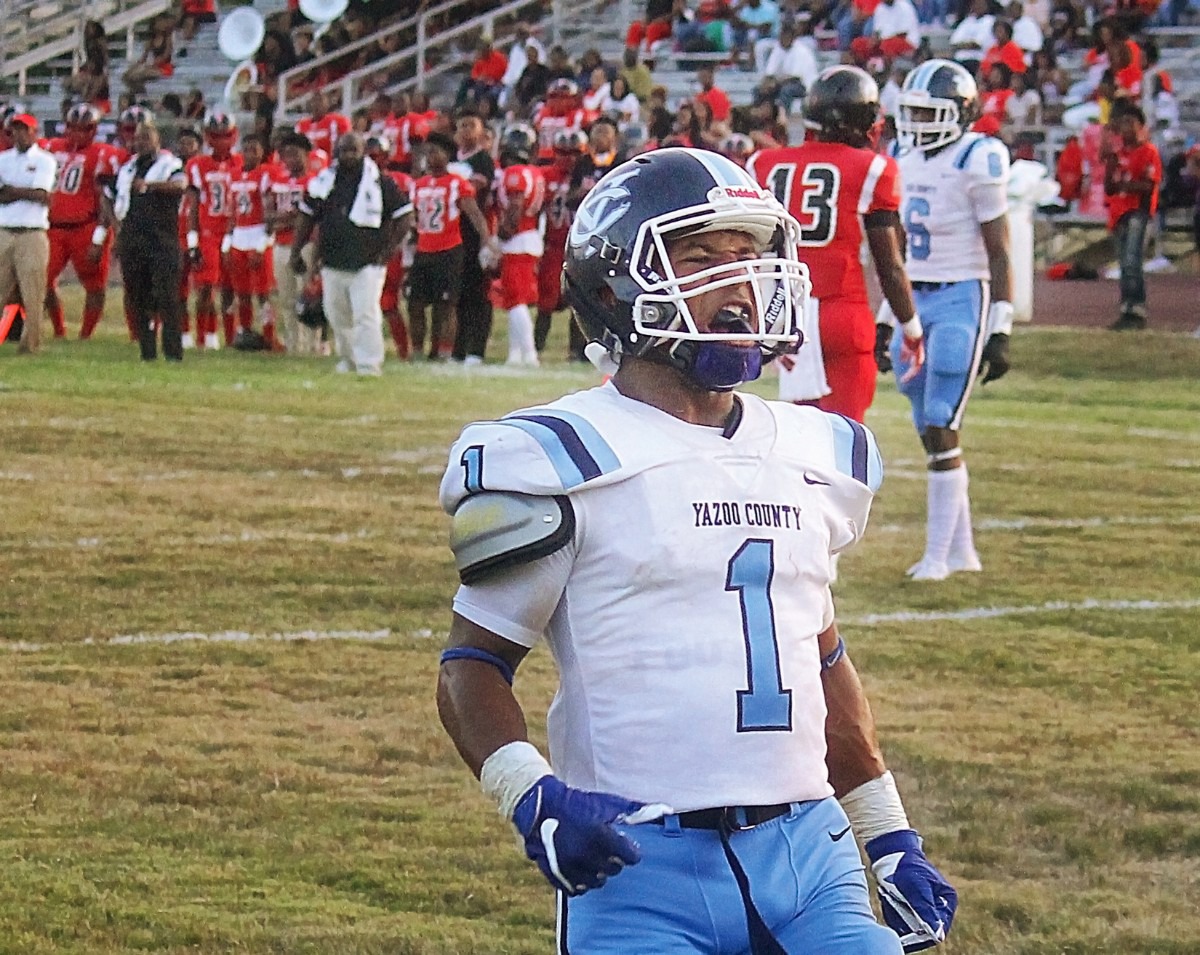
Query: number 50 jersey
point(831, 189)
point(684, 610)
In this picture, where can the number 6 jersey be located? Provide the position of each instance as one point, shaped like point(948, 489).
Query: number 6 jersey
point(684, 611)
point(830, 188)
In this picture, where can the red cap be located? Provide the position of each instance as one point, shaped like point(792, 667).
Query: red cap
point(24, 119)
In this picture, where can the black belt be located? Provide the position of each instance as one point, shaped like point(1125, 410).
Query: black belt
point(731, 818)
point(931, 286)
point(21, 228)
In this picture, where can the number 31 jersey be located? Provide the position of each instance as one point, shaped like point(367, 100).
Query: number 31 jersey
point(944, 199)
point(684, 611)
point(829, 188)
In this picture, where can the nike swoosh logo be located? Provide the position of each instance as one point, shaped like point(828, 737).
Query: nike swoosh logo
point(838, 836)
point(812, 480)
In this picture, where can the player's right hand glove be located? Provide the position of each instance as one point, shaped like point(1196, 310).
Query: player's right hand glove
point(569, 834)
point(994, 363)
point(883, 341)
point(918, 903)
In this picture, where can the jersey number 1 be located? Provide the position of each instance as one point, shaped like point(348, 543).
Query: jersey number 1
point(765, 705)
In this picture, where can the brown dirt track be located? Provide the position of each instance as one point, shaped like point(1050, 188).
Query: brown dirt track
point(1173, 301)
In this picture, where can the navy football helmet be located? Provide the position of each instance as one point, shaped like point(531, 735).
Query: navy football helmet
point(843, 106)
point(938, 103)
point(619, 280)
point(518, 145)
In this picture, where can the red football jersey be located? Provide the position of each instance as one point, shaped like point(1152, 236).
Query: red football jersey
point(213, 180)
point(558, 213)
point(286, 192)
point(1140, 163)
point(548, 127)
point(76, 196)
point(246, 189)
point(829, 188)
point(324, 133)
point(527, 181)
point(403, 181)
point(439, 219)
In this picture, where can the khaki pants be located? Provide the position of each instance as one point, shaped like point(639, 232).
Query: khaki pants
point(298, 339)
point(351, 301)
point(24, 256)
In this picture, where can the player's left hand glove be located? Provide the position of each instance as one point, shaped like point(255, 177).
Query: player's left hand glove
point(994, 363)
point(883, 341)
point(569, 834)
point(918, 903)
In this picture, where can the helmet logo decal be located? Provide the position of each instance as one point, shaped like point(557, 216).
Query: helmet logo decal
point(602, 208)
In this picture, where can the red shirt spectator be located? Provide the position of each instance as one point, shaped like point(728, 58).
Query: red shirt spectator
point(490, 65)
point(1008, 53)
point(715, 97)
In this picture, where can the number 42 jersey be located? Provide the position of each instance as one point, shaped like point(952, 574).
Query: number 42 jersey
point(683, 612)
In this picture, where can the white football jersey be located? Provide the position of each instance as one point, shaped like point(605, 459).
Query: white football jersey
point(684, 614)
point(943, 200)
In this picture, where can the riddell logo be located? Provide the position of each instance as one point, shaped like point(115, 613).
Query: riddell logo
point(741, 192)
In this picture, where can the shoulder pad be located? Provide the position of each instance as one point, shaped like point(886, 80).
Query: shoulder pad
point(856, 452)
point(493, 530)
point(983, 158)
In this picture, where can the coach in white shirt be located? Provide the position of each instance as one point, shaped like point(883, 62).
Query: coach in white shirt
point(1026, 32)
point(27, 175)
point(895, 29)
point(972, 38)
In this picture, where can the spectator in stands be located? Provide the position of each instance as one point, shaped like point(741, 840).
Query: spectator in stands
point(1132, 174)
point(596, 93)
point(531, 85)
point(1065, 20)
point(754, 22)
point(196, 13)
point(518, 53)
point(486, 79)
point(653, 28)
point(559, 67)
point(972, 37)
point(1024, 108)
point(1049, 80)
point(716, 98)
point(90, 82)
point(155, 61)
point(621, 106)
point(1026, 32)
point(994, 99)
point(589, 62)
point(1003, 51)
point(687, 128)
point(171, 105)
point(636, 75)
point(709, 31)
point(275, 56)
point(195, 107)
point(791, 68)
point(895, 32)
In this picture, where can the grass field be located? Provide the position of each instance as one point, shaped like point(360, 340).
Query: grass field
point(225, 585)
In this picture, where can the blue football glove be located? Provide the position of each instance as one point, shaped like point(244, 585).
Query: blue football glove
point(918, 903)
point(569, 834)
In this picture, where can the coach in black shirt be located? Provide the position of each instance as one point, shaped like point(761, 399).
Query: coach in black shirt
point(361, 213)
point(144, 207)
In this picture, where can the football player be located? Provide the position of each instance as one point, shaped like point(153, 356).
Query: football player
point(562, 112)
point(520, 194)
point(76, 236)
point(568, 148)
point(210, 177)
point(187, 147)
point(669, 537)
point(840, 190)
point(379, 149)
point(250, 262)
point(954, 207)
point(322, 127)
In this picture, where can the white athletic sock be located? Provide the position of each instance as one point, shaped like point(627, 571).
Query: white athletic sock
point(520, 332)
point(963, 555)
point(943, 502)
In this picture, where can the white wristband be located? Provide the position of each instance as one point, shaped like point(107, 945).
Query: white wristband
point(1000, 318)
point(874, 808)
point(226, 243)
point(99, 234)
point(508, 774)
point(193, 239)
point(912, 328)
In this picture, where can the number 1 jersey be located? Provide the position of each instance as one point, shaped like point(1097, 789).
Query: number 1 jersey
point(830, 188)
point(683, 613)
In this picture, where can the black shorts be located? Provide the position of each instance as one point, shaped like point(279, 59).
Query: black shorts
point(436, 276)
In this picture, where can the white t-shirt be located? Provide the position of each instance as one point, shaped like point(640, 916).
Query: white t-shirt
point(33, 169)
point(683, 614)
point(898, 17)
point(944, 199)
point(976, 31)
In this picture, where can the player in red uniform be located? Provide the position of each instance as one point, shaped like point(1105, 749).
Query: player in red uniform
point(568, 147)
point(288, 180)
point(210, 177)
point(440, 198)
point(379, 149)
point(76, 235)
point(562, 112)
point(520, 196)
point(322, 127)
point(250, 263)
point(187, 147)
point(838, 187)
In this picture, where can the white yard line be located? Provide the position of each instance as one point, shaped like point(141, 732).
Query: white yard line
point(212, 540)
point(867, 620)
point(1053, 523)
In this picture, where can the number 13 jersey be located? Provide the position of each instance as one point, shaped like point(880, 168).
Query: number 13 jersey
point(830, 188)
point(945, 197)
point(684, 611)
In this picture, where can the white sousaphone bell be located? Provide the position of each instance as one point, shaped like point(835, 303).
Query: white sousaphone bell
point(239, 37)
